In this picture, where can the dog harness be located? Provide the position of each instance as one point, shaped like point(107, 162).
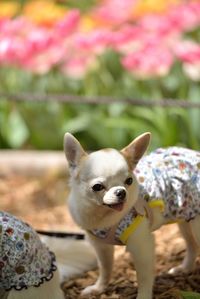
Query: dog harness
point(24, 260)
point(168, 179)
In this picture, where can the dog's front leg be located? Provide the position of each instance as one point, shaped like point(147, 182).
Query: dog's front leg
point(104, 254)
point(141, 246)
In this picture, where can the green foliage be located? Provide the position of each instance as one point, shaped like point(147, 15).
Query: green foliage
point(83, 5)
point(42, 125)
point(190, 295)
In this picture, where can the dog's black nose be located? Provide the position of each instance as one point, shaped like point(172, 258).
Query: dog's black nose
point(120, 193)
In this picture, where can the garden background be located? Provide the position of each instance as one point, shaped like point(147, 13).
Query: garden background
point(130, 49)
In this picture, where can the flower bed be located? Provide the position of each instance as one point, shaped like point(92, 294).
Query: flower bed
point(144, 51)
point(149, 38)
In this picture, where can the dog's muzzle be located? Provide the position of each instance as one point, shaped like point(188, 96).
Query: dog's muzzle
point(115, 198)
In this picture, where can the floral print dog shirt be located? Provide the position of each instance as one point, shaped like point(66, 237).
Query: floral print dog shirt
point(173, 176)
point(24, 260)
point(169, 179)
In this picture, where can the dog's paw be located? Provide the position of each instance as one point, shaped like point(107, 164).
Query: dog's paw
point(92, 290)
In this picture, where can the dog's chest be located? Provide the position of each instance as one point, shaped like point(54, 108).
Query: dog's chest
point(114, 235)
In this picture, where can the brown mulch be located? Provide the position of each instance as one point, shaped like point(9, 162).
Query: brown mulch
point(41, 202)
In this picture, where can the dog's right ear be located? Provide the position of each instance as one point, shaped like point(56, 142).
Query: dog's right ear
point(73, 151)
point(135, 150)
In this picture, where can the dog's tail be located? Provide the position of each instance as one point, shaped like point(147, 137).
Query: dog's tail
point(74, 255)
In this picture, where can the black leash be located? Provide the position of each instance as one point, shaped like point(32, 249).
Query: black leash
point(75, 236)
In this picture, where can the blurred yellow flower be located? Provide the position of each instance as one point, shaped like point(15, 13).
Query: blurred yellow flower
point(88, 23)
point(8, 9)
point(92, 21)
point(43, 12)
point(143, 7)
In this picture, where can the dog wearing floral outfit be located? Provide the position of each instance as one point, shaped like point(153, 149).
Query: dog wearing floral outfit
point(27, 267)
point(168, 179)
point(120, 197)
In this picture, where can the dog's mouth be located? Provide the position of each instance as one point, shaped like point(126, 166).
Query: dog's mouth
point(116, 206)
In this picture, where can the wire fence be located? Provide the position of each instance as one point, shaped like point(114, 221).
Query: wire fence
point(96, 100)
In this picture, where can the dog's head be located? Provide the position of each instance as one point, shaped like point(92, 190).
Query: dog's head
point(104, 177)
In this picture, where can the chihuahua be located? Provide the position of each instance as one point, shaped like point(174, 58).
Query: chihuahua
point(120, 197)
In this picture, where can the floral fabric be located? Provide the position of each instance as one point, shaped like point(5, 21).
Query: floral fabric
point(171, 175)
point(110, 236)
point(24, 260)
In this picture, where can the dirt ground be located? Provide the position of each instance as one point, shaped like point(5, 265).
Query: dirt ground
point(42, 203)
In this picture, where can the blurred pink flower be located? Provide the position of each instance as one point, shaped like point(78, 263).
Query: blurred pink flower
point(114, 12)
point(179, 18)
point(150, 29)
point(68, 24)
point(148, 46)
point(12, 36)
point(33, 47)
point(76, 67)
point(127, 38)
point(189, 53)
point(18, 26)
point(159, 24)
point(42, 61)
point(95, 41)
point(185, 16)
point(152, 60)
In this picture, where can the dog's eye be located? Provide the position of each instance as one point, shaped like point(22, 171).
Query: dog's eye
point(97, 187)
point(129, 181)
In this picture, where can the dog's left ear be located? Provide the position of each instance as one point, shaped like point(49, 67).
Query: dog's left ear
point(136, 149)
point(73, 151)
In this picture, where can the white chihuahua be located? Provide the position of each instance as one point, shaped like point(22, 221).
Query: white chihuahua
point(114, 207)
